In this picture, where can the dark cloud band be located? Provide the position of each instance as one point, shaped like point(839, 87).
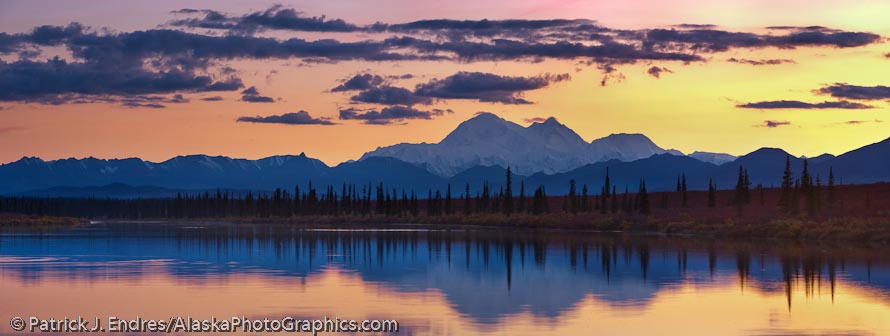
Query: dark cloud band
point(292, 118)
point(796, 104)
point(847, 91)
point(389, 115)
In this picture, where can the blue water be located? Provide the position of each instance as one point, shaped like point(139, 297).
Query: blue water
point(485, 277)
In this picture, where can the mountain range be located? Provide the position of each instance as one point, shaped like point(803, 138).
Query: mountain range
point(546, 147)
point(478, 150)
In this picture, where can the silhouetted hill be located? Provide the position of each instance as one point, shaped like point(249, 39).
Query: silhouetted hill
point(864, 165)
point(476, 176)
point(659, 171)
point(93, 176)
point(391, 172)
point(122, 191)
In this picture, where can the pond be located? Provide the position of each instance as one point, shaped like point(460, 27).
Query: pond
point(446, 282)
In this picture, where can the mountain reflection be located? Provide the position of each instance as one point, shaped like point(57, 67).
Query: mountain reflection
point(483, 274)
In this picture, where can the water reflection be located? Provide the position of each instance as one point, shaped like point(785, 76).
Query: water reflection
point(449, 282)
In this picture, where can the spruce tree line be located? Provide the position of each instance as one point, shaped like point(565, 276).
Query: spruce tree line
point(370, 200)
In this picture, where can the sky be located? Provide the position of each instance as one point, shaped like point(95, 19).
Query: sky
point(335, 79)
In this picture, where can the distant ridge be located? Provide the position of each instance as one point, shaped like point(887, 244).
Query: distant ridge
point(543, 154)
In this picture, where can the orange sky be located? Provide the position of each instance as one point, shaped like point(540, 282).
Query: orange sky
point(691, 108)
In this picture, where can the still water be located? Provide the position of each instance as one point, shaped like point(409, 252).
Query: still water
point(448, 282)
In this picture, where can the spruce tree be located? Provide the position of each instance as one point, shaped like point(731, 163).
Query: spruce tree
point(787, 188)
point(739, 197)
point(572, 202)
point(467, 207)
point(585, 203)
point(712, 194)
point(521, 206)
point(643, 202)
point(831, 197)
point(604, 197)
point(448, 206)
point(508, 193)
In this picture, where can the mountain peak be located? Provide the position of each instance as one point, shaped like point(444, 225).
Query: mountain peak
point(626, 136)
point(484, 125)
point(710, 157)
point(484, 116)
point(549, 123)
point(619, 139)
point(767, 152)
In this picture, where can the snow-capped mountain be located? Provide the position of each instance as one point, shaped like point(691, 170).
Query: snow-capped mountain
point(626, 147)
point(548, 147)
point(715, 158)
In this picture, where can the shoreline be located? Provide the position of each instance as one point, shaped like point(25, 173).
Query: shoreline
point(791, 229)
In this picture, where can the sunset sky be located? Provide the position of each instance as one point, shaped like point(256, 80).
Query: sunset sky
point(335, 79)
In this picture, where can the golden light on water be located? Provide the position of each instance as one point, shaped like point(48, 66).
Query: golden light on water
point(693, 309)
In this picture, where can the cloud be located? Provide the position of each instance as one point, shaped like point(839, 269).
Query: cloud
point(252, 95)
point(56, 81)
point(847, 91)
point(251, 91)
point(859, 122)
point(656, 71)
point(760, 62)
point(711, 40)
point(802, 28)
point(695, 26)
point(182, 60)
point(389, 95)
point(773, 123)
point(276, 17)
point(7, 129)
point(214, 98)
point(461, 30)
point(293, 118)
point(486, 87)
point(796, 104)
point(491, 26)
point(535, 120)
point(131, 101)
point(503, 49)
point(405, 76)
point(389, 115)
point(610, 73)
point(359, 82)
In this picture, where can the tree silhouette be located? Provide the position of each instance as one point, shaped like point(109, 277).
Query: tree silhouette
point(521, 205)
point(643, 198)
point(508, 193)
point(787, 188)
point(448, 206)
point(831, 196)
point(468, 209)
point(712, 194)
point(741, 191)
